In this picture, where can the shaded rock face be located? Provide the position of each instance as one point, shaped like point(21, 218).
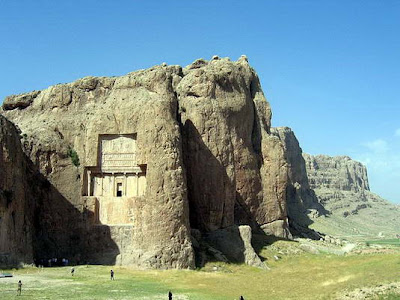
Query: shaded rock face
point(36, 221)
point(72, 116)
point(236, 170)
point(235, 243)
point(16, 228)
point(303, 204)
point(203, 157)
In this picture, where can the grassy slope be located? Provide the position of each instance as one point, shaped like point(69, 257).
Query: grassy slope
point(379, 217)
point(297, 275)
point(393, 242)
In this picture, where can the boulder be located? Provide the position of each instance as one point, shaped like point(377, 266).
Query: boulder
point(235, 243)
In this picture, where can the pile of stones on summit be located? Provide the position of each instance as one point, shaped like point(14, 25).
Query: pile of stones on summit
point(161, 168)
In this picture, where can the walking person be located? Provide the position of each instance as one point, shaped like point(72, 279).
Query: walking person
point(169, 295)
point(72, 271)
point(112, 275)
point(19, 288)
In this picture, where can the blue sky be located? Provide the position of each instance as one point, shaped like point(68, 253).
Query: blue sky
point(330, 69)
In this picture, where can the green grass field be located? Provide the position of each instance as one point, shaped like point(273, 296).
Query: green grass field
point(295, 276)
point(392, 242)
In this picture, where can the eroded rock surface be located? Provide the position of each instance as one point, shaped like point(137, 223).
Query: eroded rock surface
point(337, 172)
point(341, 186)
point(142, 169)
point(235, 243)
point(67, 120)
point(16, 216)
point(167, 149)
point(302, 202)
point(236, 169)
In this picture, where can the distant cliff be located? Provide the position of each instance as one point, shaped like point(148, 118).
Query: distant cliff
point(339, 172)
point(341, 186)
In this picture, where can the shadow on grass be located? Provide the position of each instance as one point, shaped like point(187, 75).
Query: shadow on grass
point(261, 240)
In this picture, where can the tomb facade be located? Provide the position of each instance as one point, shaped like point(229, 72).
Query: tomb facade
point(116, 181)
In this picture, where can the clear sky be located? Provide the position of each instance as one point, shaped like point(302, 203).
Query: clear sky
point(330, 69)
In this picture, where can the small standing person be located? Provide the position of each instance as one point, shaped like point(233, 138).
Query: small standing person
point(169, 295)
point(19, 288)
point(112, 275)
point(72, 271)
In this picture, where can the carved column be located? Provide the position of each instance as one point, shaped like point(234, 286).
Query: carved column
point(125, 185)
point(102, 185)
point(89, 182)
point(137, 184)
point(113, 184)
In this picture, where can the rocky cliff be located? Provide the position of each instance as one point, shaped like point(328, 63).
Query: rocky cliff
point(337, 173)
point(167, 168)
point(302, 202)
point(130, 166)
point(341, 186)
point(16, 216)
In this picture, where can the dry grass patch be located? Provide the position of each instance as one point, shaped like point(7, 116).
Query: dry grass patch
point(297, 275)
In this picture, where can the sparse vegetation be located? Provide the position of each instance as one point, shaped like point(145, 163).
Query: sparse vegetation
point(74, 157)
point(297, 275)
point(387, 242)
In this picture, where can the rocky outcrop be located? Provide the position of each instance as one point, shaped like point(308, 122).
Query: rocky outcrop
point(235, 167)
point(202, 143)
point(336, 178)
point(341, 186)
point(163, 168)
point(20, 101)
point(303, 204)
point(235, 243)
point(72, 116)
point(16, 217)
point(337, 173)
point(36, 221)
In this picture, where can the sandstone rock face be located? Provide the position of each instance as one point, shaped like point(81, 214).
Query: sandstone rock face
point(303, 204)
point(16, 228)
point(339, 172)
point(341, 186)
point(164, 167)
point(20, 101)
point(235, 168)
point(73, 116)
point(235, 243)
point(129, 165)
point(336, 178)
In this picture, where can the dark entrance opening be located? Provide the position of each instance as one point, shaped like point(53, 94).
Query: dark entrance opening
point(119, 189)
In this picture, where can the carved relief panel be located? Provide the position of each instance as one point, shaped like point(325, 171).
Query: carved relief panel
point(118, 153)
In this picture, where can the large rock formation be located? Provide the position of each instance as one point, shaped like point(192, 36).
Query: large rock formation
point(235, 167)
point(129, 165)
point(337, 173)
point(166, 167)
point(341, 186)
point(36, 221)
point(303, 205)
point(16, 226)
